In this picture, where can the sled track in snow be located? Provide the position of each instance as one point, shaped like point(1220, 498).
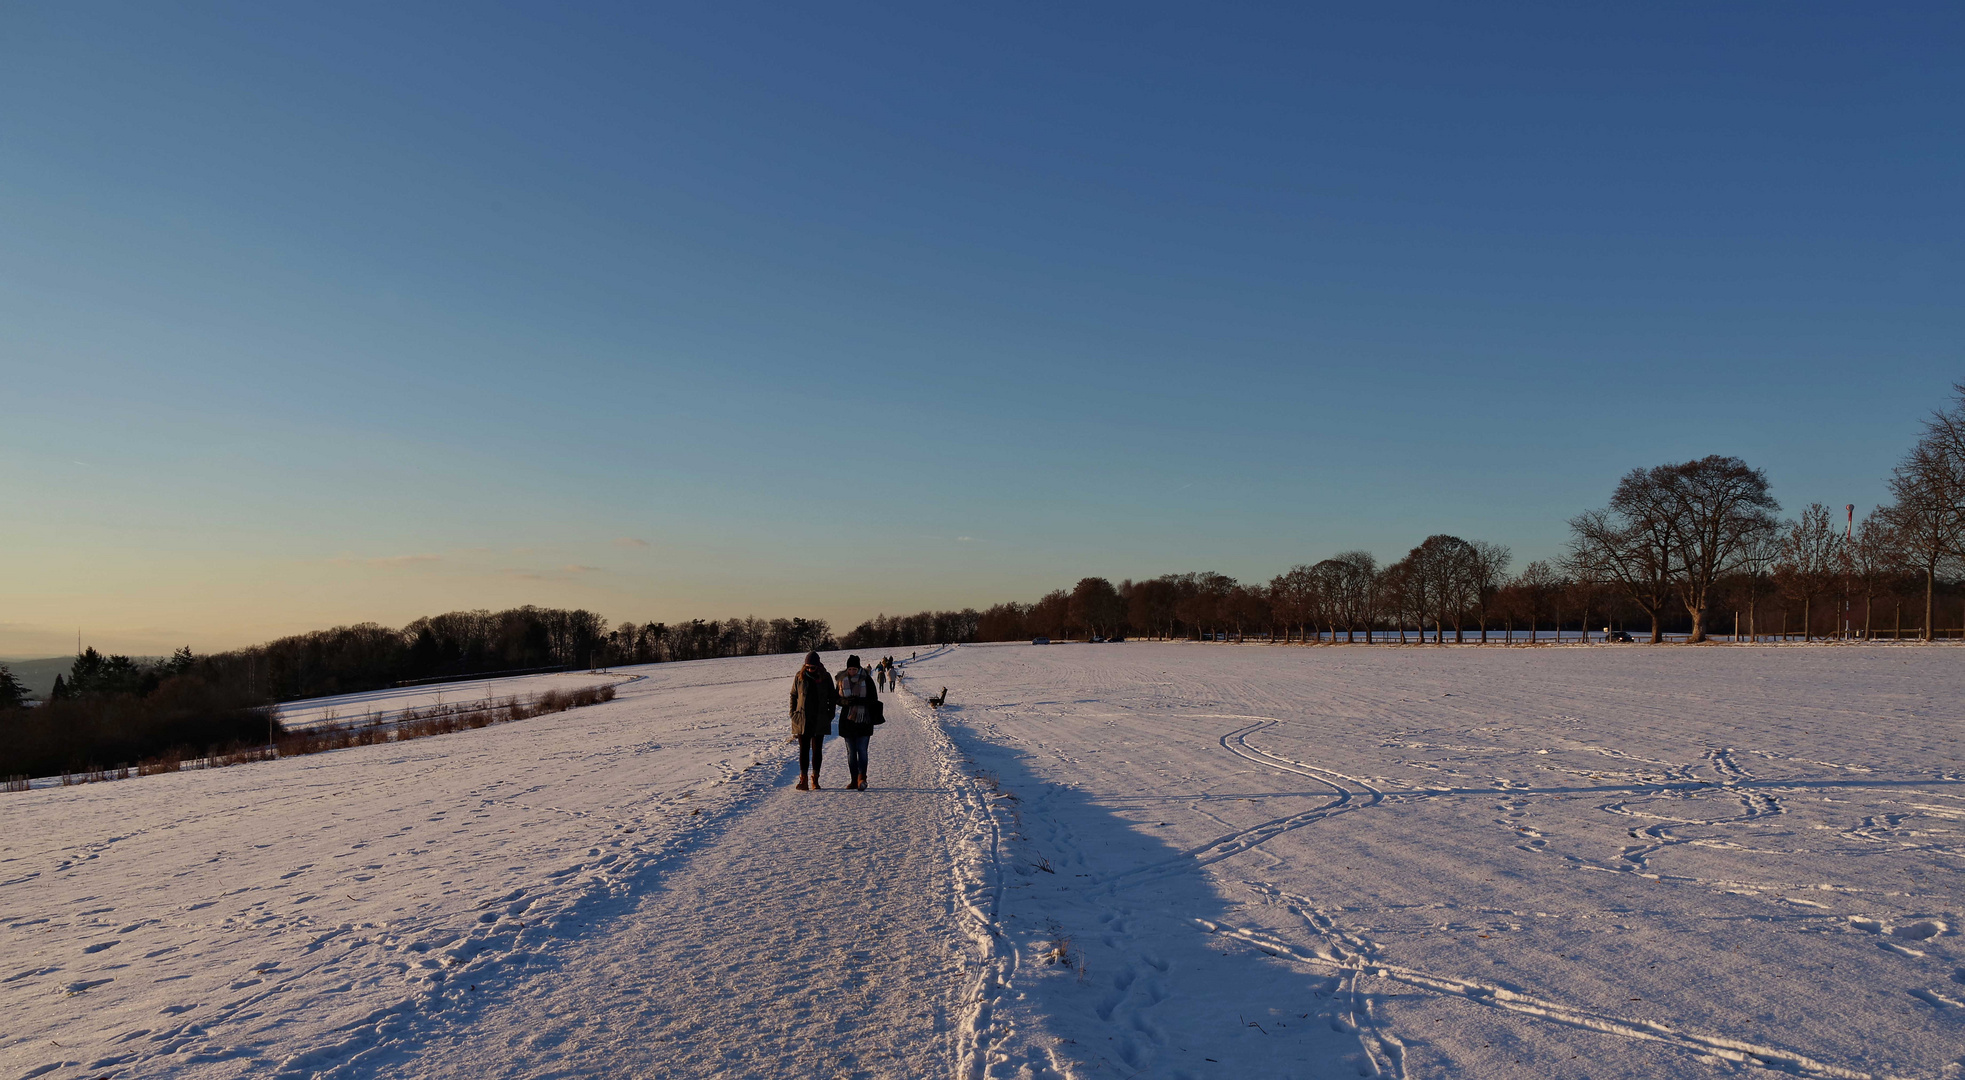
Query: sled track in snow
point(1348, 793)
point(1385, 1051)
point(1498, 997)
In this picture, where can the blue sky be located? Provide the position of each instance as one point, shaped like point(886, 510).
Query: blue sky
point(328, 314)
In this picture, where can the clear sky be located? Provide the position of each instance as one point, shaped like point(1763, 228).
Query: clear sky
point(314, 314)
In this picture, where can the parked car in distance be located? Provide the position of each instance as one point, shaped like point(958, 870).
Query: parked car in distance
point(1617, 635)
point(1115, 639)
point(1040, 641)
point(1096, 640)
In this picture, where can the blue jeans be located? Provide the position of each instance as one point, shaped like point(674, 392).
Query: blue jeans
point(856, 754)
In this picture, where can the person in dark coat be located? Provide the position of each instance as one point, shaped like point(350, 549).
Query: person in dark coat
point(813, 698)
point(856, 699)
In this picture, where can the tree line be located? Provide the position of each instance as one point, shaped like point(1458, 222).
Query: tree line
point(1695, 547)
point(458, 644)
point(115, 708)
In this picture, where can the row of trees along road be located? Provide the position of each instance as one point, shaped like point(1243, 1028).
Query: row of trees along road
point(1677, 545)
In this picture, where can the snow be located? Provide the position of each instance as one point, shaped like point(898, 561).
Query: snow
point(1162, 860)
point(387, 705)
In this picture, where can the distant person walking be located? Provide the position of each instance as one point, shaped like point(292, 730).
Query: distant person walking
point(859, 711)
point(813, 698)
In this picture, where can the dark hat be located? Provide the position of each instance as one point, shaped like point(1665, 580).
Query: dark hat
point(812, 658)
point(853, 661)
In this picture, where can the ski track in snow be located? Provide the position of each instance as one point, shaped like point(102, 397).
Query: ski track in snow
point(1142, 860)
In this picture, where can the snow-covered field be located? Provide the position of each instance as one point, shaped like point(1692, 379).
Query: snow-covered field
point(1117, 860)
point(387, 705)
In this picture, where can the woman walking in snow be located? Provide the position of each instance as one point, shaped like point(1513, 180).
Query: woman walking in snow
point(859, 707)
point(812, 700)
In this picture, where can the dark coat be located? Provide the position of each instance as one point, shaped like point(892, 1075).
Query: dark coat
point(812, 702)
point(855, 692)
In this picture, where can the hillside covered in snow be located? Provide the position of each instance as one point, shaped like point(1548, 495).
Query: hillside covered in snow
point(1154, 860)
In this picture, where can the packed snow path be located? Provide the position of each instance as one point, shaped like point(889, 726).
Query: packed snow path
point(805, 939)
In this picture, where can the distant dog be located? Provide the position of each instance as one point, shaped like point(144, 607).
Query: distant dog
point(936, 701)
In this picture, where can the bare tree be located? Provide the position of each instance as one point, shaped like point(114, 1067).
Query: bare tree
point(1811, 559)
point(1367, 598)
point(1327, 595)
point(1629, 545)
point(1487, 571)
point(1538, 586)
point(1051, 614)
point(1402, 597)
point(1875, 560)
point(1294, 594)
point(1202, 598)
point(1244, 607)
point(1757, 560)
point(1096, 606)
point(1354, 575)
point(1712, 511)
point(1584, 592)
point(1927, 517)
point(1443, 571)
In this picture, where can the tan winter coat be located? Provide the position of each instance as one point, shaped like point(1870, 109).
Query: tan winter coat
point(812, 702)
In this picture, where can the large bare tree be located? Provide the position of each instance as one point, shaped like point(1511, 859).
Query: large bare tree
point(1629, 544)
point(1713, 511)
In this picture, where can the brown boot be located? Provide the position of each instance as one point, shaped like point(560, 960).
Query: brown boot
point(815, 782)
point(802, 785)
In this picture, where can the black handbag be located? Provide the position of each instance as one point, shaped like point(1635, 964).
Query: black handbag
point(876, 712)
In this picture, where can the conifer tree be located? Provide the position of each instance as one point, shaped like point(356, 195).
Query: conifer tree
point(12, 694)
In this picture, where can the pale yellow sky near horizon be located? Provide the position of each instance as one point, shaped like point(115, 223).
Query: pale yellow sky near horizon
point(211, 605)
